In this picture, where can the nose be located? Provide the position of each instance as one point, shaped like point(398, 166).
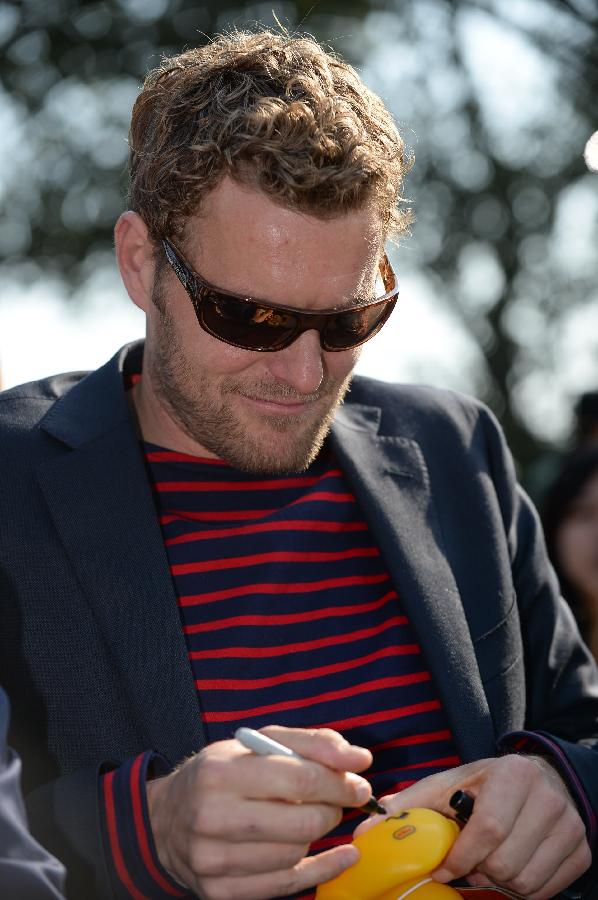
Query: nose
point(300, 365)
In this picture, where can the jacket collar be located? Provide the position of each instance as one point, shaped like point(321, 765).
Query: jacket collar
point(97, 403)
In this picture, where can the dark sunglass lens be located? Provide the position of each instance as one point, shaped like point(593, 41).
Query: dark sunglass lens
point(244, 323)
point(353, 328)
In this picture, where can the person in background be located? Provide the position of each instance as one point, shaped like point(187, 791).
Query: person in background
point(542, 472)
point(27, 871)
point(570, 520)
point(586, 420)
point(223, 527)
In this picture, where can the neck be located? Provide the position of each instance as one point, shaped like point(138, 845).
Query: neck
point(157, 426)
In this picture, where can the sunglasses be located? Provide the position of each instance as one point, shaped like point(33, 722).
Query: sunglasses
point(259, 325)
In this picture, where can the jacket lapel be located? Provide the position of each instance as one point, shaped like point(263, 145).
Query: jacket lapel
point(102, 507)
point(389, 477)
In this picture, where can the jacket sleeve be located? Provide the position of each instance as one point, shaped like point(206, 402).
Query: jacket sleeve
point(561, 675)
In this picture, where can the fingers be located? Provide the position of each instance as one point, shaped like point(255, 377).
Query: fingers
point(265, 821)
point(570, 870)
point(280, 777)
point(305, 874)
point(231, 823)
point(322, 745)
point(559, 858)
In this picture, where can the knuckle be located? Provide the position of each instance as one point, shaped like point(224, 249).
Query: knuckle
point(493, 830)
point(521, 768)
point(326, 734)
point(207, 862)
point(522, 884)
point(306, 781)
point(208, 820)
point(577, 830)
point(213, 773)
point(585, 860)
point(288, 856)
point(204, 821)
point(291, 881)
point(560, 805)
point(498, 869)
point(312, 822)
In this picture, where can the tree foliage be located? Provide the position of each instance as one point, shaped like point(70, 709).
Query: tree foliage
point(498, 172)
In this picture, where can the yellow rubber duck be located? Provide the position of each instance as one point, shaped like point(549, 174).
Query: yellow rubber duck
point(397, 855)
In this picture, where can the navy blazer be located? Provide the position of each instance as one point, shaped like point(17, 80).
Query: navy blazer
point(91, 645)
point(27, 871)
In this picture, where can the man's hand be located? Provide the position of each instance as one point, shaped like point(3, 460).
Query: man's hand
point(229, 823)
point(525, 833)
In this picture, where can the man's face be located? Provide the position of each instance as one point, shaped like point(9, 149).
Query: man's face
point(261, 412)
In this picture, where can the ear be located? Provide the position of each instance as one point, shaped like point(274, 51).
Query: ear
point(134, 254)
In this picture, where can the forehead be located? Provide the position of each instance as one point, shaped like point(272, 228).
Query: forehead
point(243, 241)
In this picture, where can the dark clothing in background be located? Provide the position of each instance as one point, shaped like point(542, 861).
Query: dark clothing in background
point(27, 871)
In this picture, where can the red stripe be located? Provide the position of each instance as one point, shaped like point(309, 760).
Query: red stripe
point(269, 485)
point(383, 715)
point(300, 587)
point(159, 456)
point(215, 515)
point(329, 496)
point(326, 842)
point(258, 559)
point(400, 786)
point(412, 739)
point(290, 525)
point(355, 689)
point(117, 857)
point(234, 684)
point(141, 833)
point(258, 652)
point(312, 615)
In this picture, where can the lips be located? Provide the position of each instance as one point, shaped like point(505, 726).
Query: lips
point(280, 405)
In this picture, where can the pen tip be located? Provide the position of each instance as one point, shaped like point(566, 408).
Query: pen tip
point(372, 806)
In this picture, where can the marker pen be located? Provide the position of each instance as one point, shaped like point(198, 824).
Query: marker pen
point(265, 746)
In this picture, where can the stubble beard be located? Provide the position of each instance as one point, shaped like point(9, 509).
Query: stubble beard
point(280, 444)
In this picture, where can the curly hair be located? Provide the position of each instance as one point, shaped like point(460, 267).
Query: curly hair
point(272, 111)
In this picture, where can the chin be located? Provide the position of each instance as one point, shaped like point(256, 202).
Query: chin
point(278, 455)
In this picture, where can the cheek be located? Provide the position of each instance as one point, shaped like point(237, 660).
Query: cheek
point(341, 364)
point(208, 354)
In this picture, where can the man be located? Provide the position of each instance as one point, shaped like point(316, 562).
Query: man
point(27, 872)
point(213, 531)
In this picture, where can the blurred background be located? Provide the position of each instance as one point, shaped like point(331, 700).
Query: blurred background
point(498, 100)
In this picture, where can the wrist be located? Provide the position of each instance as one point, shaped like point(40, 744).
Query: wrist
point(157, 790)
